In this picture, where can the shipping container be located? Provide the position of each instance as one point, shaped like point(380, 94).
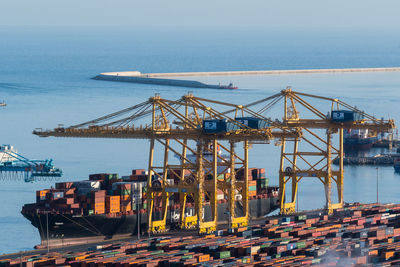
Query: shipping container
point(252, 122)
point(346, 116)
point(219, 126)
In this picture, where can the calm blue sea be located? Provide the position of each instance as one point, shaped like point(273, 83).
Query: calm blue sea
point(45, 80)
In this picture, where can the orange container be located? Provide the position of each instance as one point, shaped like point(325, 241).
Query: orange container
point(99, 208)
point(387, 255)
point(204, 258)
point(253, 183)
point(42, 193)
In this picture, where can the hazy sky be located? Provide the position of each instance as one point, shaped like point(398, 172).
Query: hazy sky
point(219, 13)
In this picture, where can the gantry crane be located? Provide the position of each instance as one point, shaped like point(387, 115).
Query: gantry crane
point(314, 156)
point(198, 175)
point(13, 166)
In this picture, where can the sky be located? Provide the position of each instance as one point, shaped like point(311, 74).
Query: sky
point(206, 13)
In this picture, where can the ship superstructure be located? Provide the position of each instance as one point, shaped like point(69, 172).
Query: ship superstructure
point(356, 139)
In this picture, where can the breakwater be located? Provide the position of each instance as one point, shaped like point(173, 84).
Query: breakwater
point(245, 72)
point(158, 81)
point(163, 78)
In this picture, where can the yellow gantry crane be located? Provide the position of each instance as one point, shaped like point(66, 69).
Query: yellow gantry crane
point(313, 156)
point(197, 133)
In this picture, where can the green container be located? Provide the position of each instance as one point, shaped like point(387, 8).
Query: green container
point(266, 245)
point(185, 257)
point(156, 252)
point(302, 217)
point(223, 254)
point(301, 244)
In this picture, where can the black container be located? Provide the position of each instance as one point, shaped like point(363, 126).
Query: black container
point(251, 122)
point(219, 126)
point(346, 116)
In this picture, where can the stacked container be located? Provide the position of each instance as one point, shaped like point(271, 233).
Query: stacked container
point(113, 204)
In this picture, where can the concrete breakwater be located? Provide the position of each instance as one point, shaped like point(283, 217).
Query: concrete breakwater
point(163, 78)
point(246, 72)
point(120, 77)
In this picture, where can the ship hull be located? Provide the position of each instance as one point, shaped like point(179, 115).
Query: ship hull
point(359, 143)
point(74, 229)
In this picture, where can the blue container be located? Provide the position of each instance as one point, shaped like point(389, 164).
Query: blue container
point(291, 246)
point(219, 126)
point(57, 195)
point(251, 122)
point(346, 116)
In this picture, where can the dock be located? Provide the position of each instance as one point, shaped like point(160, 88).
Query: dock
point(380, 159)
point(385, 143)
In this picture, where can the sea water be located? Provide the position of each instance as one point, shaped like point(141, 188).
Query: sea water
point(45, 80)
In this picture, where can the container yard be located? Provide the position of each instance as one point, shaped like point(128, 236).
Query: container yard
point(356, 235)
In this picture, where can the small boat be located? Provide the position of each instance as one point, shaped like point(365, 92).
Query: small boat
point(3, 104)
point(229, 86)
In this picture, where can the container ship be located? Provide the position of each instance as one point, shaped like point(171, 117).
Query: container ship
point(359, 139)
point(108, 206)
